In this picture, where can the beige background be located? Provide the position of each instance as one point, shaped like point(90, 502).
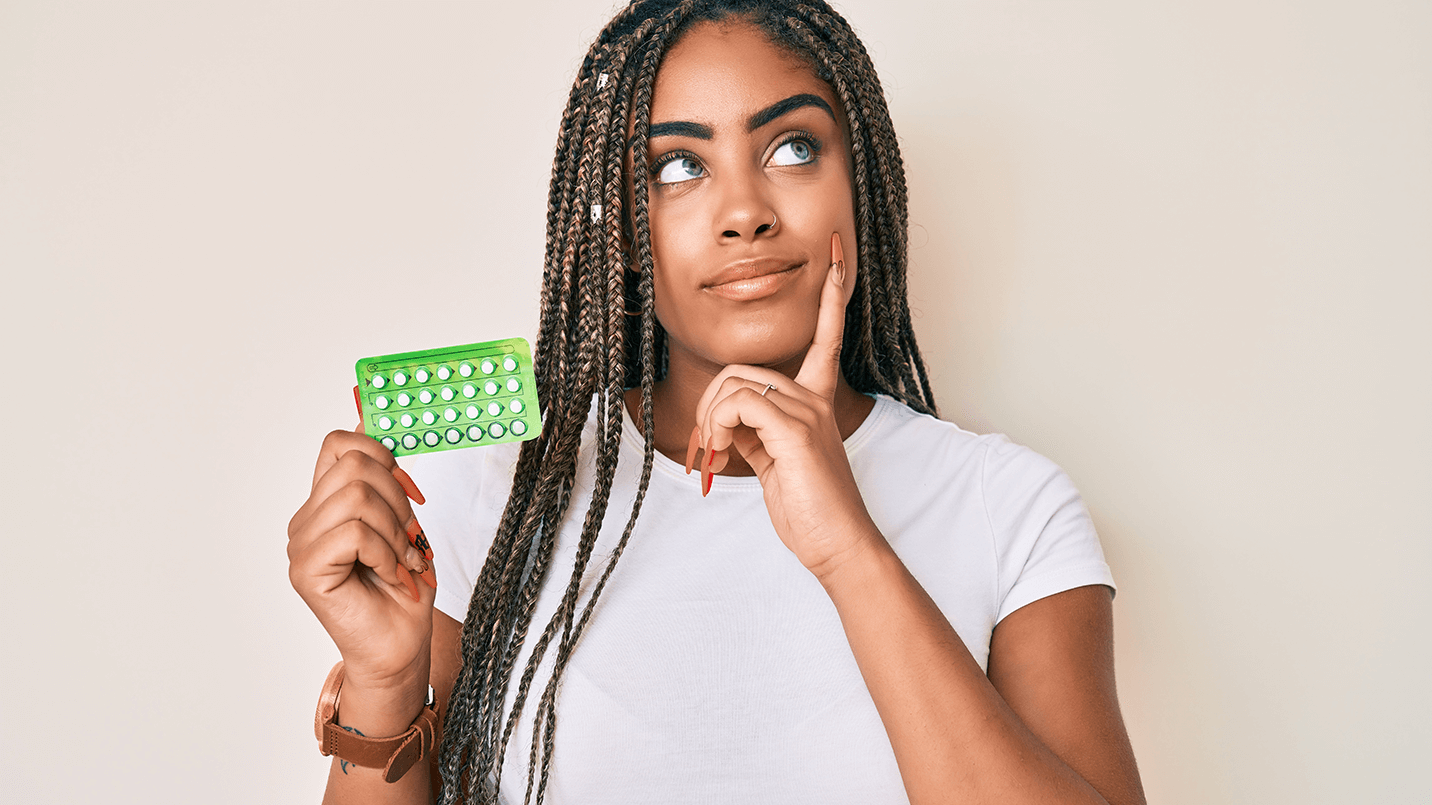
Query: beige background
point(1181, 248)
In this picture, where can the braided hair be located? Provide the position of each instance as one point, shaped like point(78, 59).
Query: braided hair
point(598, 336)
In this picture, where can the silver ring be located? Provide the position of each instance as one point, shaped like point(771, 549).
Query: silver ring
point(773, 221)
point(768, 387)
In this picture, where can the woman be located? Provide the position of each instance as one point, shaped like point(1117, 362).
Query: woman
point(890, 607)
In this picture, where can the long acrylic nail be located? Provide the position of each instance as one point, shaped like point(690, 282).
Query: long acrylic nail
point(691, 447)
point(407, 579)
point(358, 401)
point(837, 259)
point(413, 560)
point(429, 577)
point(408, 486)
point(419, 539)
point(706, 472)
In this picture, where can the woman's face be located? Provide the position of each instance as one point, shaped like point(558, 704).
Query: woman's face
point(743, 134)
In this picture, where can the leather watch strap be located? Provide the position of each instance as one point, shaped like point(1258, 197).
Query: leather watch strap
point(394, 755)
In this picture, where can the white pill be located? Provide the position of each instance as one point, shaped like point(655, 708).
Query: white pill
point(488, 367)
point(509, 363)
point(422, 375)
point(496, 430)
point(465, 369)
point(432, 439)
point(491, 387)
point(450, 414)
point(448, 393)
point(474, 432)
point(454, 435)
point(379, 381)
point(494, 409)
point(515, 406)
point(405, 399)
point(429, 417)
point(382, 401)
point(385, 422)
point(519, 427)
point(444, 372)
point(410, 441)
point(406, 420)
point(473, 412)
point(469, 390)
point(514, 385)
point(389, 442)
point(400, 378)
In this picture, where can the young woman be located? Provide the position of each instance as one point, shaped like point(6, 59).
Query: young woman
point(864, 604)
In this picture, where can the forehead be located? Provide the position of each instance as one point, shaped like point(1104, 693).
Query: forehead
point(720, 72)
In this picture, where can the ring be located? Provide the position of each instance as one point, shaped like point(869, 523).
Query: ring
point(768, 387)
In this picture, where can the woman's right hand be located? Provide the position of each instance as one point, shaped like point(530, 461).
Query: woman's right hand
point(349, 559)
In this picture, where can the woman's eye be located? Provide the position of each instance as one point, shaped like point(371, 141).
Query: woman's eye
point(795, 152)
point(682, 169)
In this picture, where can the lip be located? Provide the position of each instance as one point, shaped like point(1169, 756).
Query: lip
point(748, 280)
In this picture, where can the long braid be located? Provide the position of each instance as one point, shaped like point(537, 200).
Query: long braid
point(590, 349)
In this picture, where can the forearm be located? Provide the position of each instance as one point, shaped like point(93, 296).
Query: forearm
point(376, 714)
point(955, 739)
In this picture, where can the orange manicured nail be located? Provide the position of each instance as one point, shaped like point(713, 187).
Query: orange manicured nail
point(358, 401)
point(706, 472)
point(407, 579)
point(837, 258)
point(691, 447)
point(408, 486)
point(429, 577)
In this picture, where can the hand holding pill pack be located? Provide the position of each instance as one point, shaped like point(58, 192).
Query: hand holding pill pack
point(446, 399)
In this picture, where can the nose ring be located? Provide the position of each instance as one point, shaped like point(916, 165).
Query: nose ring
point(773, 221)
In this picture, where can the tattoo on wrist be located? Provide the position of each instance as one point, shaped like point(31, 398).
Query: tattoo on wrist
point(344, 764)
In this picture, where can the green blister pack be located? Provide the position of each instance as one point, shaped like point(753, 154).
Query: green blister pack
point(450, 398)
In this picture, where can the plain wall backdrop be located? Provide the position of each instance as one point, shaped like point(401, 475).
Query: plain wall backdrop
point(1184, 249)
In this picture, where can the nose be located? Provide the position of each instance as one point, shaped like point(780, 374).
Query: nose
point(745, 214)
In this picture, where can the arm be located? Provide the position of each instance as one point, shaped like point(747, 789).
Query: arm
point(389, 711)
point(1043, 727)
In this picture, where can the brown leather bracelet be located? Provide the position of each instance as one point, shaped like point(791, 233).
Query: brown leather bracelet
point(393, 755)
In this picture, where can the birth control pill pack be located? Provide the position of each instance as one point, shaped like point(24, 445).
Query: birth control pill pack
point(446, 399)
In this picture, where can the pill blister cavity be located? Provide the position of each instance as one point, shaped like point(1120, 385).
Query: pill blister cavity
point(429, 417)
point(406, 420)
point(514, 385)
point(426, 396)
point(453, 435)
point(400, 378)
point(509, 363)
point(389, 442)
point(469, 390)
point(519, 427)
point(432, 439)
point(450, 415)
point(488, 366)
point(385, 422)
point(516, 406)
point(444, 372)
point(494, 409)
point(405, 399)
point(495, 430)
point(491, 387)
point(379, 381)
point(421, 374)
point(465, 369)
point(473, 412)
point(382, 401)
point(474, 432)
point(410, 441)
point(448, 393)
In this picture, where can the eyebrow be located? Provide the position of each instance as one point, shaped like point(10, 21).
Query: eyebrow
point(699, 131)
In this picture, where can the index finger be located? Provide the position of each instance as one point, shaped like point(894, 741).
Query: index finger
point(821, 367)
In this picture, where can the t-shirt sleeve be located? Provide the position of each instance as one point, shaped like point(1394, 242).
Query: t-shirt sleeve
point(1044, 538)
point(466, 491)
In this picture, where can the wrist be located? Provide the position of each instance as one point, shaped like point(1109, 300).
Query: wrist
point(856, 565)
point(385, 707)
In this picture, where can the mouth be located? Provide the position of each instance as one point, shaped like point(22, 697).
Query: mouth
point(750, 280)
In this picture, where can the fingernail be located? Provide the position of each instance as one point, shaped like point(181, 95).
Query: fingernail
point(407, 579)
point(414, 560)
point(358, 401)
point(408, 486)
point(691, 447)
point(419, 539)
point(706, 472)
point(718, 461)
point(837, 258)
point(429, 577)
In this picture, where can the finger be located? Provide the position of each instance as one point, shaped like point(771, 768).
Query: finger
point(403, 478)
point(820, 370)
point(337, 554)
point(737, 376)
point(359, 501)
point(763, 418)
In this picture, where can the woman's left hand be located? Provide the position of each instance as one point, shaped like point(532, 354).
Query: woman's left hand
point(786, 430)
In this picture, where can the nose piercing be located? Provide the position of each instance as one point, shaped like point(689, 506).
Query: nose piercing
point(773, 221)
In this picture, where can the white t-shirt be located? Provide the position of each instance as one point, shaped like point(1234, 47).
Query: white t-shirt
point(714, 668)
